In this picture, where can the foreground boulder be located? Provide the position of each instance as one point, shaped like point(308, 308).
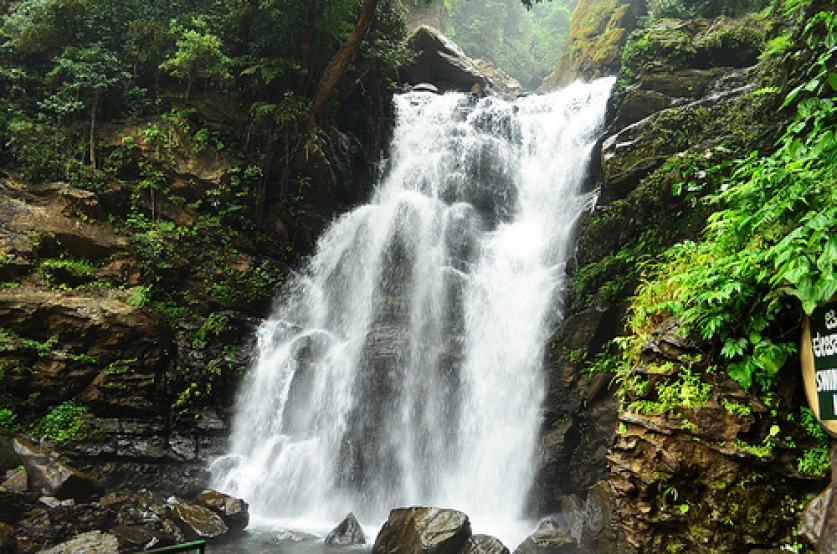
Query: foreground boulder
point(423, 530)
point(234, 511)
point(196, 521)
point(348, 532)
point(53, 478)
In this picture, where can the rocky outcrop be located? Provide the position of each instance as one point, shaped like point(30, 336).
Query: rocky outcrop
point(685, 99)
point(599, 30)
point(441, 62)
point(420, 530)
point(714, 474)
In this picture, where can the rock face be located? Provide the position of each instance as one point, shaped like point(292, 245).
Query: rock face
point(580, 410)
point(423, 530)
point(691, 476)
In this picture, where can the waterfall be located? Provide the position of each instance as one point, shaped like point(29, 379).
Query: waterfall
point(403, 365)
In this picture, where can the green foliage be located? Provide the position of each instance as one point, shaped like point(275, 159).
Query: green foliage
point(815, 461)
point(8, 420)
point(738, 409)
point(62, 270)
point(199, 55)
point(685, 390)
point(140, 296)
point(215, 325)
point(43, 348)
point(64, 422)
point(685, 9)
point(769, 243)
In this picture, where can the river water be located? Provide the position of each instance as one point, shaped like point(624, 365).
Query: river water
point(403, 364)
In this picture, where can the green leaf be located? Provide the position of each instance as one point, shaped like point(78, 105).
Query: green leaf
point(832, 80)
point(742, 373)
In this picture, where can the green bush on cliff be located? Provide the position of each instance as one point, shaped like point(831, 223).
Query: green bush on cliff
point(64, 422)
point(769, 246)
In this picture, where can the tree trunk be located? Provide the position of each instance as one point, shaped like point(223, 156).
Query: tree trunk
point(340, 62)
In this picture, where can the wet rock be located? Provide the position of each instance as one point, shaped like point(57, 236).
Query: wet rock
point(142, 537)
point(347, 532)
point(234, 511)
point(549, 538)
point(52, 477)
point(196, 521)
point(580, 410)
point(18, 482)
point(423, 530)
point(94, 542)
point(485, 544)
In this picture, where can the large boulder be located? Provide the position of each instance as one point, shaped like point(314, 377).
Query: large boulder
point(234, 511)
point(440, 61)
point(196, 521)
point(53, 478)
point(423, 530)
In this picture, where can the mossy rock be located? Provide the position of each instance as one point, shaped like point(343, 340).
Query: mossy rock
point(598, 31)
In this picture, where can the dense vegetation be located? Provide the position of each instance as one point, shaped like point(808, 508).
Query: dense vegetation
point(768, 249)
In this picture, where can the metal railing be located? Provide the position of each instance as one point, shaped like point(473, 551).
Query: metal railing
point(196, 546)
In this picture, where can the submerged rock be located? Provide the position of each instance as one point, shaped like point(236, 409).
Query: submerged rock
point(423, 530)
point(347, 532)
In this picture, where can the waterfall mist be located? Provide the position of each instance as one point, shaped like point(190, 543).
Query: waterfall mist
point(403, 366)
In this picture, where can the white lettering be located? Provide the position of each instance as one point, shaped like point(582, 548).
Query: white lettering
point(824, 345)
point(830, 319)
point(826, 380)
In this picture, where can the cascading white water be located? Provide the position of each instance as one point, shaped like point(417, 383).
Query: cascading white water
point(403, 366)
